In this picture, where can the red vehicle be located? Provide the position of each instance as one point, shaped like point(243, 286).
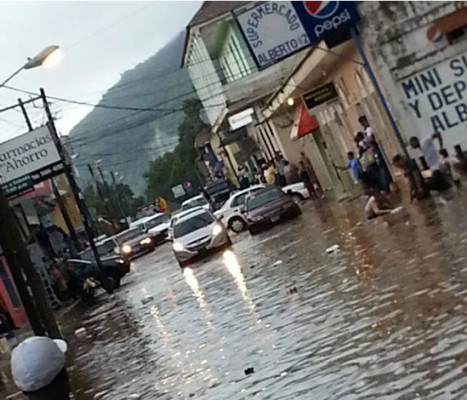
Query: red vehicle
point(268, 207)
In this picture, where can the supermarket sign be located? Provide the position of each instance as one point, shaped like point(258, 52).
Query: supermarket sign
point(275, 30)
point(28, 159)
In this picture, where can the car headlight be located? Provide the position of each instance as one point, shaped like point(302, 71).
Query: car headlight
point(145, 241)
point(217, 230)
point(256, 218)
point(120, 261)
point(126, 249)
point(177, 246)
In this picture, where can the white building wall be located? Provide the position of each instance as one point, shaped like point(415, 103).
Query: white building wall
point(206, 81)
point(423, 75)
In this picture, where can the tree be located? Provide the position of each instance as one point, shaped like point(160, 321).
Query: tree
point(121, 196)
point(176, 167)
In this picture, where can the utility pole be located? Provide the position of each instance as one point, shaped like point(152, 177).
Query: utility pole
point(101, 195)
point(76, 191)
point(109, 195)
point(119, 200)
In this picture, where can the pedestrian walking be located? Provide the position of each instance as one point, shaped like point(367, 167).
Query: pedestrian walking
point(306, 179)
point(38, 369)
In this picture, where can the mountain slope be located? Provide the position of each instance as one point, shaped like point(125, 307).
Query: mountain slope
point(126, 140)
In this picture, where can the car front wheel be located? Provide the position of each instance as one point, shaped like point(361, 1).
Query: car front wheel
point(237, 224)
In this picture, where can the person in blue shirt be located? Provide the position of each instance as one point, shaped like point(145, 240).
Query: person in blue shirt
point(353, 166)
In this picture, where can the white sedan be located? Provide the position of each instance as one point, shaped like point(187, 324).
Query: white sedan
point(196, 234)
point(231, 213)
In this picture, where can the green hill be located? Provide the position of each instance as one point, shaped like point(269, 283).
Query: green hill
point(127, 140)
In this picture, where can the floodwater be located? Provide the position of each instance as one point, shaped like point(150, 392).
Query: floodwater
point(382, 317)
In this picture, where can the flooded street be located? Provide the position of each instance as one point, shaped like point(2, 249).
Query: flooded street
point(278, 317)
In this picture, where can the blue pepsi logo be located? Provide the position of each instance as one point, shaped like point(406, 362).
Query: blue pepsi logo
point(321, 9)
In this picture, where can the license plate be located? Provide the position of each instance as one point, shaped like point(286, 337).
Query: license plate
point(275, 219)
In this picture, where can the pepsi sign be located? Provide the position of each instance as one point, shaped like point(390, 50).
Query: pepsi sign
point(274, 30)
point(323, 18)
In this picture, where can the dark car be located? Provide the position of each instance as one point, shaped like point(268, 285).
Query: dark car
point(120, 263)
point(218, 192)
point(134, 243)
point(115, 268)
point(268, 207)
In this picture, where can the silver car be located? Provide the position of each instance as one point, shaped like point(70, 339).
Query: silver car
point(197, 234)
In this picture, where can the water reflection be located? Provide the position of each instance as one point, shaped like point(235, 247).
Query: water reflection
point(233, 266)
point(193, 283)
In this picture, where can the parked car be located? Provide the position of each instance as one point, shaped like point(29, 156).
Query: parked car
point(267, 207)
point(231, 213)
point(115, 268)
point(196, 234)
point(158, 227)
point(155, 225)
point(218, 192)
point(134, 243)
point(297, 191)
point(197, 201)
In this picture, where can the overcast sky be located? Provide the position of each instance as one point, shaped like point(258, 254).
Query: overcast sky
point(99, 41)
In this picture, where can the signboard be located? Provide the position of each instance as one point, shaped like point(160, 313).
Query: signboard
point(275, 30)
point(272, 31)
point(27, 160)
point(324, 18)
point(320, 95)
point(178, 191)
point(436, 99)
point(241, 119)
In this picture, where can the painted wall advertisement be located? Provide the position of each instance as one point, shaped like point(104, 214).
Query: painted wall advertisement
point(437, 99)
point(28, 159)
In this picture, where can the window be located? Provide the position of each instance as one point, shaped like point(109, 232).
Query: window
point(193, 224)
point(263, 198)
point(233, 61)
point(239, 200)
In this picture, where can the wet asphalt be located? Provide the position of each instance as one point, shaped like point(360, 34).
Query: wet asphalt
point(278, 317)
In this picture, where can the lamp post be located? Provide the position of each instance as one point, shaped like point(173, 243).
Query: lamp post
point(33, 298)
point(50, 56)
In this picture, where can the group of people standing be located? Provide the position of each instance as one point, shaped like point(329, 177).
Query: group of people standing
point(430, 169)
point(367, 164)
point(281, 172)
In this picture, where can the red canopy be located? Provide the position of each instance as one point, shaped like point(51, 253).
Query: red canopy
point(304, 123)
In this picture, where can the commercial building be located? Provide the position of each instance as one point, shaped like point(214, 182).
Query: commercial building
point(420, 52)
point(231, 88)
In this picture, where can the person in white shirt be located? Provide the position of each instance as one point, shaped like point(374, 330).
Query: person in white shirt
point(432, 159)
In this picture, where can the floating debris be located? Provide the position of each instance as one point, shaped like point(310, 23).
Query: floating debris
point(332, 249)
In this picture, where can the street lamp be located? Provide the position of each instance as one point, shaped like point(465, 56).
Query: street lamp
point(48, 57)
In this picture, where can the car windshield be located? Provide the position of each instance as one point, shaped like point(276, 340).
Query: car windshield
point(156, 221)
point(192, 224)
point(201, 201)
point(262, 198)
point(128, 235)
